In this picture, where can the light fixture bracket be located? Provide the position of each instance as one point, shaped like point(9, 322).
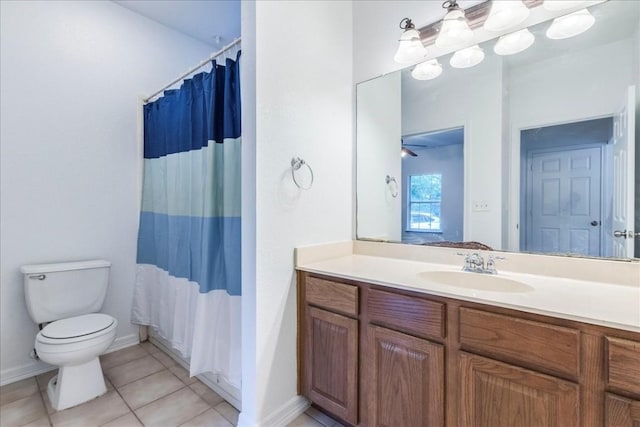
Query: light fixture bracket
point(407, 24)
point(451, 5)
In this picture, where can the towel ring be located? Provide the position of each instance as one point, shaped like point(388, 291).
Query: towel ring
point(296, 164)
point(394, 188)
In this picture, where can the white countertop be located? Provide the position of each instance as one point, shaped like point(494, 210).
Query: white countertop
point(606, 304)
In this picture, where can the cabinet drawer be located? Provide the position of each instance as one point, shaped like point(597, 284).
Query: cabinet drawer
point(332, 295)
point(623, 364)
point(551, 348)
point(414, 315)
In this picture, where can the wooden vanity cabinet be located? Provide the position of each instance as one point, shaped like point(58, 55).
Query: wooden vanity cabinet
point(623, 377)
point(403, 379)
point(423, 360)
point(329, 369)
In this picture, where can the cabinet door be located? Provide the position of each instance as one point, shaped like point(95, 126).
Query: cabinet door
point(621, 412)
point(495, 394)
point(405, 380)
point(331, 365)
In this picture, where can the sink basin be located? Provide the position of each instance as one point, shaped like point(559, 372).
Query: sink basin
point(477, 281)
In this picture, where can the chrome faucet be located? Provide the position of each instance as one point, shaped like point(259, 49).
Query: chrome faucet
point(474, 262)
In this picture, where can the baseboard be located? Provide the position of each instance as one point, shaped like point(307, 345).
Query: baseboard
point(123, 342)
point(286, 413)
point(37, 367)
point(28, 370)
point(211, 380)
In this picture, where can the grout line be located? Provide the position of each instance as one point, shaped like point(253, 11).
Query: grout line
point(130, 408)
point(44, 405)
point(162, 397)
point(196, 416)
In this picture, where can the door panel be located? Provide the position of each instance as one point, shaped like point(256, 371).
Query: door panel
point(621, 412)
point(332, 362)
point(405, 380)
point(565, 201)
point(497, 394)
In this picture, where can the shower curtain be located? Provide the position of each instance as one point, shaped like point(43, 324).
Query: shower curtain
point(188, 273)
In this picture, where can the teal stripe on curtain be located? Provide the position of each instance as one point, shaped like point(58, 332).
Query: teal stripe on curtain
point(217, 195)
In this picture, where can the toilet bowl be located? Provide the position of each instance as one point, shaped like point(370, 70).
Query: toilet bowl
point(74, 344)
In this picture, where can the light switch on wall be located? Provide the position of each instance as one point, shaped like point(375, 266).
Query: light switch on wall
point(480, 206)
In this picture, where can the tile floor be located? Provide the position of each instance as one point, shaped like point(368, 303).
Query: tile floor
point(145, 387)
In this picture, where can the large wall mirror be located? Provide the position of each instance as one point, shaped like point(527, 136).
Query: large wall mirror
point(531, 152)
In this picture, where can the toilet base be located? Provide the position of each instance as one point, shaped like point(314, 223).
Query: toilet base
point(76, 384)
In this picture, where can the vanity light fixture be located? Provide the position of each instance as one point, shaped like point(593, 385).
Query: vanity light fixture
point(455, 30)
point(513, 43)
point(406, 152)
point(506, 14)
point(555, 5)
point(570, 25)
point(467, 58)
point(410, 47)
point(427, 70)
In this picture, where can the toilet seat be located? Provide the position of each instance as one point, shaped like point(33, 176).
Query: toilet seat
point(76, 329)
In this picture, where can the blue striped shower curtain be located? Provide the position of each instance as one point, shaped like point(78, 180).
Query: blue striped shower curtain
point(188, 274)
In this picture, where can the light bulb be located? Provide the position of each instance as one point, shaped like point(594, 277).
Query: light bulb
point(467, 58)
point(514, 43)
point(410, 47)
point(570, 25)
point(427, 70)
point(454, 31)
point(506, 14)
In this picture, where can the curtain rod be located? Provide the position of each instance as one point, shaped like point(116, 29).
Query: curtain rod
point(192, 69)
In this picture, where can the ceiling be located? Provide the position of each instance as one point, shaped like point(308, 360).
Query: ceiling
point(435, 139)
point(214, 22)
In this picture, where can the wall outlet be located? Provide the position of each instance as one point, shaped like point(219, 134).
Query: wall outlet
point(480, 206)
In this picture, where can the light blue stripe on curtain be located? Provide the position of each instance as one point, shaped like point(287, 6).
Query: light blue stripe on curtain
point(179, 245)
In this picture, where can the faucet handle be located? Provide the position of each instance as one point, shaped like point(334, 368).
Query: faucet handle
point(467, 260)
point(491, 263)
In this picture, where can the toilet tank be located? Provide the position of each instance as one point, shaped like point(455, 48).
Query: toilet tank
point(61, 290)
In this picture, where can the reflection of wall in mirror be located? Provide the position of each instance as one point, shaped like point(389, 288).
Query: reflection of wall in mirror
point(471, 98)
point(378, 154)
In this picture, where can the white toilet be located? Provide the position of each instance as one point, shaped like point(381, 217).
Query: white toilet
point(64, 299)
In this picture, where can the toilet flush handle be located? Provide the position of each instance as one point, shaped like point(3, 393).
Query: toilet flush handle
point(38, 276)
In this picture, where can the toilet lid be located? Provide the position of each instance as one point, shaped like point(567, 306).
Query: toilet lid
point(77, 326)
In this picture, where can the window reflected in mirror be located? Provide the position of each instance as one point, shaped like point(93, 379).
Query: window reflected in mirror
point(433, 190)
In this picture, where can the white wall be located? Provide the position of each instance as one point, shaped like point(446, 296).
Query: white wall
point(378, 130)
point(303, 107)
point(71, 73)
point(587, 83)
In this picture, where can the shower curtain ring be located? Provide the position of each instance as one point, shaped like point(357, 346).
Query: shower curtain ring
point(296, 164)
